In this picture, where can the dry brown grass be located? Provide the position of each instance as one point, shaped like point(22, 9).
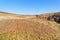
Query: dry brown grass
point(35, 28)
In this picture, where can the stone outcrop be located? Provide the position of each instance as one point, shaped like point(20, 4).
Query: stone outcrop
point(55, 17)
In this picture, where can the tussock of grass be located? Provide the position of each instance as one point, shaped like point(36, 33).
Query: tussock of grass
point(26, 36)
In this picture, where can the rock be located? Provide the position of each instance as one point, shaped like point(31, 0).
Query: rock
point(54, 17)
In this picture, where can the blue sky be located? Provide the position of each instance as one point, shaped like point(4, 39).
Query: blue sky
point(30, 6)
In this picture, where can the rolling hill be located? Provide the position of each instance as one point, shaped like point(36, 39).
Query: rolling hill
point(28, 27)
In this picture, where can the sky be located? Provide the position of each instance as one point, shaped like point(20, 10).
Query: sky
point(30, 6)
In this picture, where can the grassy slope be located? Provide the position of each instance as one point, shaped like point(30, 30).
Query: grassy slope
point(29, 29)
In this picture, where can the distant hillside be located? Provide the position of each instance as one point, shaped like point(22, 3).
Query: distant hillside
point(7, 14)
point(28, 27)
